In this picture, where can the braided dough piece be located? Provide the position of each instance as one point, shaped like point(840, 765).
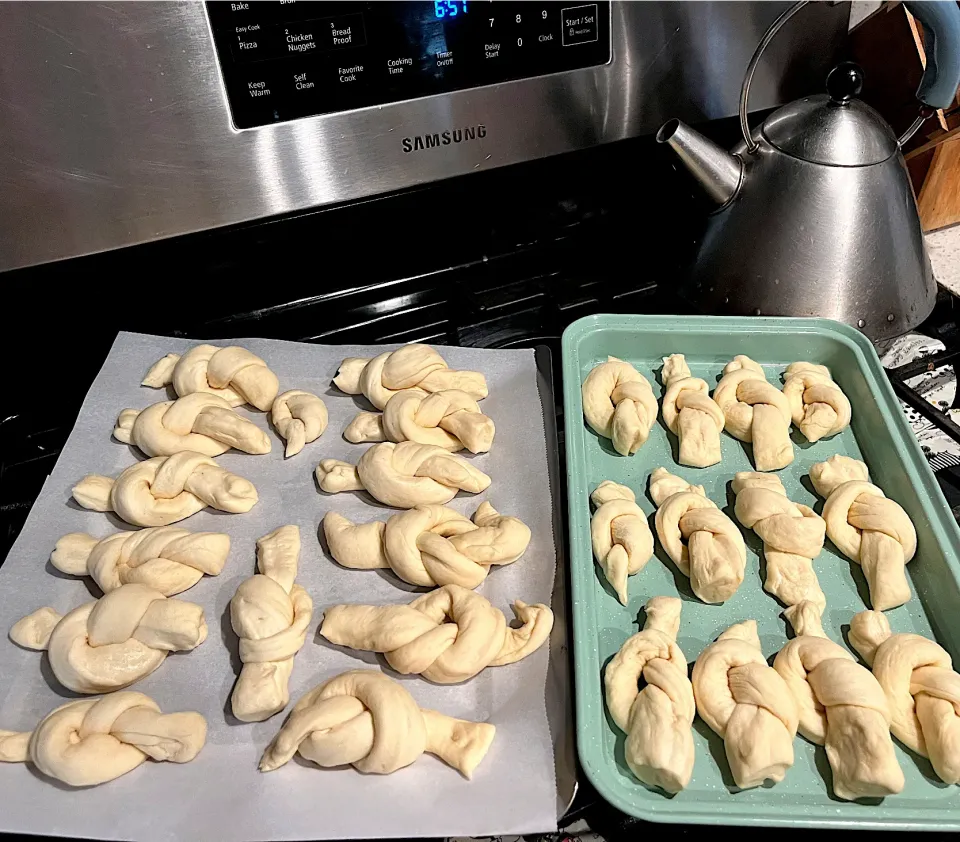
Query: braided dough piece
point(867, 527)
point(270, 615)
point(922, 689)
point(91, 741)
point(300, 418)
point(748, 704)
point(621, 537)
point(365, 719)
point(756, 411)
point(792, 536)
point(168, 559)
point(842, 707)
point(818, 406)
point(110, 643)
point(429, 545)
point(165, 489)
point(199, 422)
point(404, 475)
point(700, 539)
point(619, 405)
point(447, 635)
point(658, 720)
point(691, 414)
point(409, 367)
point(232, 373)
point(450, 419)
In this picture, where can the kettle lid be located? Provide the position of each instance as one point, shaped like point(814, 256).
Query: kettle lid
point(833, 128)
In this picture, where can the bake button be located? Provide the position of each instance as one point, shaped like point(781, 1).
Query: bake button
point(345, 31)
point(580, 25)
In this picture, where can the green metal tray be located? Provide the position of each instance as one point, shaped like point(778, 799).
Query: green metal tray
point(880, 436)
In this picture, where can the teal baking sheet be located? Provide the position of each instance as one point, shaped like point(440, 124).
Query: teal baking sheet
point(879, 435)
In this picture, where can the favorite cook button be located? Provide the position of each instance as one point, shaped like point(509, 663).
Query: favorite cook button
point(350, 74)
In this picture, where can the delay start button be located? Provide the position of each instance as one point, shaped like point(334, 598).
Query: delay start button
point(580, 25)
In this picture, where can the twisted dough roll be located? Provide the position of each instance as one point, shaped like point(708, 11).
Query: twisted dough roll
point(412, 366)
point(621, 538)
point(165, 558)
point(818, 406)
point(429, 545)
point(691, 414)
point(619, 405)
point(447, 635)
point(841, 706)
point(231, 373)
point(700, 539)
point(199, 422)
point(404, 475)
point(792, 536)
point(112, 642)
point(166, 489)
point(747, 703)
point(922, 689)
point(658, 719)
point(756, 411)
point(450, 419)
point(363, 718)
point(270, 615)
point(300, 418)
point(92, 741)
point(867, 528)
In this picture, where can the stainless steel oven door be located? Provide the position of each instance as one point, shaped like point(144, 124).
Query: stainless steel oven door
point(114, 128)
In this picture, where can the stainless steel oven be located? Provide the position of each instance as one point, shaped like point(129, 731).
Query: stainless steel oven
point(124, 122)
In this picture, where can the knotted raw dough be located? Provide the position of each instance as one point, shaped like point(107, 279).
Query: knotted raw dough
point(300, 418)
point(365, 719)
point(404, 475)
point(165, 558)
point(700, 539)
point(621, 537)
point(199, 422)
point(841, 707)
point(619, 405)
point(112, 642)
point(429, 545)
point(748, 704)
point(818, 406)
point(91, 741)
point(450, 419)
point(658, 719)
point(691, 414)
point(412, 366)
point(270, 615)
point(922, 689)
point(166, 489)
point(447, 635)
point(231, 373)
point(792, 536)
point(756, 411)
point(867, 528)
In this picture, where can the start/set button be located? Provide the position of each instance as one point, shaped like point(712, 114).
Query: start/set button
point(580, 25)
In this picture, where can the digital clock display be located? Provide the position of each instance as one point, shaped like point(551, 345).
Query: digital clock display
point(448, 9)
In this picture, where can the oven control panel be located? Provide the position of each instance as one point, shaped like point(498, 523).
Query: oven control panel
point(286, 60)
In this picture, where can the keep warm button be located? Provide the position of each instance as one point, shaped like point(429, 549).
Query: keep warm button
point(580, 25)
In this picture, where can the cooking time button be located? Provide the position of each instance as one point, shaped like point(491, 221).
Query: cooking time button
point(399, 66)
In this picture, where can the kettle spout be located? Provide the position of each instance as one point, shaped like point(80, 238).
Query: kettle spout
point(718, 172)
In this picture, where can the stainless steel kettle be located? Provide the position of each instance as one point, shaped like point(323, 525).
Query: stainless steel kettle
point(816, 213)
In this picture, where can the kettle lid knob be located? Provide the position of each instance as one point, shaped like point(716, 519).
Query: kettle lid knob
point(844, 82)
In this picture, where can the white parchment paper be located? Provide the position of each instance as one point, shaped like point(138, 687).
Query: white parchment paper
point(221, 795)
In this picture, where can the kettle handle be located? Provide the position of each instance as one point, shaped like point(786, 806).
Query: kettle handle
point(938, 87)
point(941, 30)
